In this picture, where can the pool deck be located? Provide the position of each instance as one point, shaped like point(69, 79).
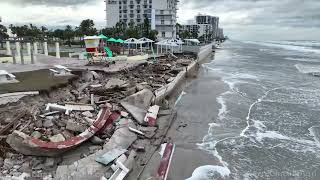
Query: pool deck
point(47, 62)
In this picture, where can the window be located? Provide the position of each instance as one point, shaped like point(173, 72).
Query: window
point(163, 34)
point(162, 21)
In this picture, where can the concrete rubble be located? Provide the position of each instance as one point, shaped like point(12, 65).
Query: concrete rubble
point(95, 114)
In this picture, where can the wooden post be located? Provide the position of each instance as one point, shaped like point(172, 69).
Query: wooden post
point(57, 50)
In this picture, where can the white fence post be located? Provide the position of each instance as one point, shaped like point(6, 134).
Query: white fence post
point(45, 46)
point(57, 50)
point(8, 48)
point(18, 48)
point(29, 49)
point(35, 46)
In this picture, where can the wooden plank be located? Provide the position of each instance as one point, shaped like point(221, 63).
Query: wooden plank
point(16, 119)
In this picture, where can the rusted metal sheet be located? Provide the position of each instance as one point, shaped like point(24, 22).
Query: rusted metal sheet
point(32, 146)
point(167, 150)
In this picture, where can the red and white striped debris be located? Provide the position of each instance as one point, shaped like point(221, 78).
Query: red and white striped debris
point(27, 145)
point(166, 153)
point(151, 116)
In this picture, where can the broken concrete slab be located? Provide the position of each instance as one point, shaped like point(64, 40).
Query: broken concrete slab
point(137, 113)
point(95, 75)
point(110, 156)
point(124, 114)
point(47, 123)
point(141, 99)
point(36, 134)
point(87, 168)
point(96, 140)
point(15, 97)
point(57, 138)
point(74, 126)
point(151, 116)
point(87, 114)
point(114, 82)
point(164, 112)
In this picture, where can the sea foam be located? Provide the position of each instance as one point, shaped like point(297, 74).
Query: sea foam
point(210, 172)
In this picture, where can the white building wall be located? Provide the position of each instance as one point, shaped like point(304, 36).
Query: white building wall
point(112, 12)
point(161, 13)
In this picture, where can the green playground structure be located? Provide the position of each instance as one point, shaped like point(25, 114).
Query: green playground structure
point(108, 51)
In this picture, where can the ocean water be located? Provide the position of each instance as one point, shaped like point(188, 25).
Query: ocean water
point(273, 107)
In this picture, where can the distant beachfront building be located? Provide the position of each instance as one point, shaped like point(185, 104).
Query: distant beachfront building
point(206, 26)
point(162, 14)
point(220, 34)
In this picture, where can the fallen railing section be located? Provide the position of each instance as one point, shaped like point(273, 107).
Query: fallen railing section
point(27, 145)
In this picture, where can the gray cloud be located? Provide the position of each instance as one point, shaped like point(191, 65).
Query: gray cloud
point(280, 12)
point(244, 19)
point(56, 3)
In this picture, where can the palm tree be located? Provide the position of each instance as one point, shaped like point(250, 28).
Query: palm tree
point(68, 34)
point(3, 34)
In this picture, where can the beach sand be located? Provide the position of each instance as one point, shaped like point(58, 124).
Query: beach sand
point(196, 109)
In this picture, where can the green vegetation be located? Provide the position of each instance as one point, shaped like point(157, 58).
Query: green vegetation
point(74, 35)
point(184, 34)
point(123, 31)
point(3, 34)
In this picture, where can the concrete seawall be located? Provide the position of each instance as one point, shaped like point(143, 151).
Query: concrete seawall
point(192, 69)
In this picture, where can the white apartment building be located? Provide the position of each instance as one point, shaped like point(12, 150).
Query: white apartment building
point(162, 14)
point(207, 27)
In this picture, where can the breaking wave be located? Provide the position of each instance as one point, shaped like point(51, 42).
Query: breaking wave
point(210, 172)
point(307, 69)
point(287, 46)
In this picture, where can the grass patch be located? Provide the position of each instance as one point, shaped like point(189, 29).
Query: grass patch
point(4, 55)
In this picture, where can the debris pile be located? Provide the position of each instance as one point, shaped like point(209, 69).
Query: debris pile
point(98, 108)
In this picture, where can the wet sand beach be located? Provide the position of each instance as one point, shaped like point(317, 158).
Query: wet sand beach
point(195, 111)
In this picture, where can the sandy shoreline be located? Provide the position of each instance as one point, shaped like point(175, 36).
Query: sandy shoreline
point(196, 109)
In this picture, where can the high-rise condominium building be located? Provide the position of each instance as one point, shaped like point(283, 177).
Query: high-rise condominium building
point(162, 14)
point(209, 20)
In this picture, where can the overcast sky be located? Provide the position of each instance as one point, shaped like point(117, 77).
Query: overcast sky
point(241, 19)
